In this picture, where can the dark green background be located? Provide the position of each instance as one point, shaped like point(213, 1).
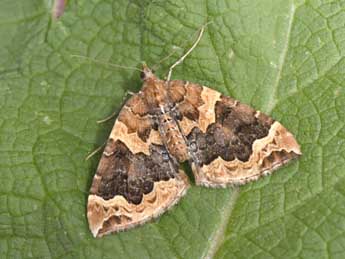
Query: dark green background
point(283, 57)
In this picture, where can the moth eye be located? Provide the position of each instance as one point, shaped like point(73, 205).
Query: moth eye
point(142, 75)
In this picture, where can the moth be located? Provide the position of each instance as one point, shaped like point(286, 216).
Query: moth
point(168, 122)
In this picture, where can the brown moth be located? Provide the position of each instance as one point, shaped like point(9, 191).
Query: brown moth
point(168, 122)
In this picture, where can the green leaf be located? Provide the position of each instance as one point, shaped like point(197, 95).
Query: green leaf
point(283, 57)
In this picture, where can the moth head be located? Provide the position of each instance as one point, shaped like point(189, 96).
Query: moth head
point(147, 74)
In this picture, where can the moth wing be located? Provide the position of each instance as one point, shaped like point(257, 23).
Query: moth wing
point(230, 142)
point(136, 179)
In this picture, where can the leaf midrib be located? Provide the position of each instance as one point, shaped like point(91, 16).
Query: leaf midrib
point(218, 235)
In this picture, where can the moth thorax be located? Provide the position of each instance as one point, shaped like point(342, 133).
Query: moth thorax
point(173, 138)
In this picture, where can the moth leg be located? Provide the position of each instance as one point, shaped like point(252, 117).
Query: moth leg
point(94, 152)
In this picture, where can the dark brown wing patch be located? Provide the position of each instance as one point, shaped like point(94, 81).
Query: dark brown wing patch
point(231, 136)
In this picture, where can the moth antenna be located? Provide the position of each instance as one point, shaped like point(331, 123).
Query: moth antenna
point(105, 63)
point(196, 42)
point(156, 66)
